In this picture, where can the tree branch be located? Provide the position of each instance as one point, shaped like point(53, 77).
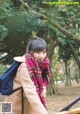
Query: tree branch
point(52, 22)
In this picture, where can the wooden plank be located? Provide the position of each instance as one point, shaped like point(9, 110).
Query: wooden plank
point(73, 111)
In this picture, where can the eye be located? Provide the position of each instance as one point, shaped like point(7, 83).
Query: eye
point(38, 52)
point(44, 51)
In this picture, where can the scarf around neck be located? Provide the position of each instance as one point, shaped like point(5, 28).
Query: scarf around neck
point(39, 73)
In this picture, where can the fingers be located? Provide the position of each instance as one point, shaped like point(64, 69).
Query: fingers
point(43, 94)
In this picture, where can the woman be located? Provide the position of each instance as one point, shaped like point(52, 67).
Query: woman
point(33, 75)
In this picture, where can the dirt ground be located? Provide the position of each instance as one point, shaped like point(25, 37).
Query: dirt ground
point(66, 95)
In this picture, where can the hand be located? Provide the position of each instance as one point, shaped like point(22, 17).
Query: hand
point(43, 94)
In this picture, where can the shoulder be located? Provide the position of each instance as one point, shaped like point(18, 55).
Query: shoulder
point(22, 71)
point(21, 59)
point(22, 66)
point(23, 74)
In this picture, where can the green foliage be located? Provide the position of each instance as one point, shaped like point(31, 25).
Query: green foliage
point(3, 68)
point(17, 24)
point(24, 22)
point(61, 38)
point(20, 27)
point(5, 10)
point(3, 32)
point(17, 27)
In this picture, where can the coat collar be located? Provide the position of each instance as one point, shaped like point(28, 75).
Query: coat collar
point(20, 58)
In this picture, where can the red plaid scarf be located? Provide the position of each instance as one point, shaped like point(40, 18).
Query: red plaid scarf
point(39, 73)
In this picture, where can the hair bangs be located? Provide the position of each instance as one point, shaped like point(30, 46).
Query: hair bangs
point(39, 47)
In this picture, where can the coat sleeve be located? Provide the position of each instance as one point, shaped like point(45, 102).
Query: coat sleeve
point(30, 91)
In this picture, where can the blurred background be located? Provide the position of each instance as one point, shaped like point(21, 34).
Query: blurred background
point(59, 25)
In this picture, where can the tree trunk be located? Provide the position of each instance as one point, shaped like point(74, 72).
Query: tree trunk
point(75, 56)
point(67, 75)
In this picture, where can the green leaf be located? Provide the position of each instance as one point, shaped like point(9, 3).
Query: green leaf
point(3, 32)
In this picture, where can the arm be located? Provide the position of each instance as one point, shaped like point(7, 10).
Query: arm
point(30, 91)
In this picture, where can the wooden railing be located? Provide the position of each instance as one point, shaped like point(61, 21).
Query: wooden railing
point(67, 110)
point(72, 111)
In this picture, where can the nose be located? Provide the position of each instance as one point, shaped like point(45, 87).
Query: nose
point(41, 55)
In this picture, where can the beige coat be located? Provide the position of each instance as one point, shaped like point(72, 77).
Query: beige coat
point(32, 103)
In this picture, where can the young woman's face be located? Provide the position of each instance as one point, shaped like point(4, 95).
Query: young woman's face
point(40, 55)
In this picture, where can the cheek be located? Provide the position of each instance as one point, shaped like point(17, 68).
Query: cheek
point(36, 55)
point(45, 55)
